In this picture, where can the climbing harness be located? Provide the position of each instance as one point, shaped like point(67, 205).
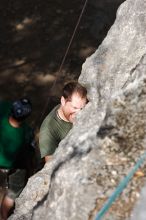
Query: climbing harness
point(120, 188)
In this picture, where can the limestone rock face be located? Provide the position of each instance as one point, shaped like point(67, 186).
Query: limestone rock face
point(108, 137)
point(140, 211)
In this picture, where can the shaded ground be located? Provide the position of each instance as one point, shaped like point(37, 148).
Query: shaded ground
point(34, 36)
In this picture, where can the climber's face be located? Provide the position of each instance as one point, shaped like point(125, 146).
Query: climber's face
point(70, 107)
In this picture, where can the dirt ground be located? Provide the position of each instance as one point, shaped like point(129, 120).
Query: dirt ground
point(34, 37)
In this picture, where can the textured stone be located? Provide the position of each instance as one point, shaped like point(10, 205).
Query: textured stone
point(140, 211)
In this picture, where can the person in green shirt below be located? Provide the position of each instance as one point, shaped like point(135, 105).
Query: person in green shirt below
point(15, 140)
point(59, 121)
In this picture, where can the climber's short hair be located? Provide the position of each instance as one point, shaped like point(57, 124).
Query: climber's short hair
point(73, 87)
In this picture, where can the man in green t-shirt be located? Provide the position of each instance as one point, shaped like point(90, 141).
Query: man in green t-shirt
point(60, 120)
point(15, 139)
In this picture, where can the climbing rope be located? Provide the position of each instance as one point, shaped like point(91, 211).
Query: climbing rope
point(70, 42)
point(120, 188)
point(63, 60)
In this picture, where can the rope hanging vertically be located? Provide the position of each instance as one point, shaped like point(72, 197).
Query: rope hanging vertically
point(64, 58)
point(70, 42)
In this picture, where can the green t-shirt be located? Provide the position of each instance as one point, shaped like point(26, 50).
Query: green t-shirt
point(52, 131)
point(13, 140)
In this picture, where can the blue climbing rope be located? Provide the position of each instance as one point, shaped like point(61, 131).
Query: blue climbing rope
point(120, 188)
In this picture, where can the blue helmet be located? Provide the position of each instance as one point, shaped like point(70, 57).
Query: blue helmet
point(21, 109)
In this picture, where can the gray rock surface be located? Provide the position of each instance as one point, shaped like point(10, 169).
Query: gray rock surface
point(108, 137)
point(140, 211)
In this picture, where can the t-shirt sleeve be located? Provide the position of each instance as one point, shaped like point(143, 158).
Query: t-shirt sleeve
point(47, 140)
